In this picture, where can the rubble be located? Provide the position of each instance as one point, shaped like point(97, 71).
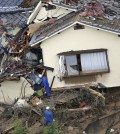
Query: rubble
point(93, 8)
point(74, 121)
point(70, 128)
point(21, 103)
point(18, 59)
point(36, 101)
point(14, 42)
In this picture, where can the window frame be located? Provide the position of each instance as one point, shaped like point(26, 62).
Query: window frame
point(81, 73)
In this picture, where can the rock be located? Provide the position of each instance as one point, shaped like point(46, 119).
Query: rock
point(76, 130)
point(21, 103)
point(70, 128)
point(1, 110)
point(112, 130)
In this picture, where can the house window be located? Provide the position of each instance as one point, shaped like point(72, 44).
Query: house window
point(71, 65)
point(86, 62)
point(94, 62)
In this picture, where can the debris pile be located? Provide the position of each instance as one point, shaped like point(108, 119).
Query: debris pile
point(67, 113)
point(93, 8)
point(16, 58)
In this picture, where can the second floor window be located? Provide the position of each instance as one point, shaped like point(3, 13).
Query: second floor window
point(86, 62)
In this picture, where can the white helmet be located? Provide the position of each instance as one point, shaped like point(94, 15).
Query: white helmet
point(40, 75)
point(47, 107)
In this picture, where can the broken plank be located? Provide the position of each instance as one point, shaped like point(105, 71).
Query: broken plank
point(7, 130)
point(79, 109)
point(36, 111)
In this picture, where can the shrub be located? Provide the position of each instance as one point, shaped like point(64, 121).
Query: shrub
point(20, 129)
point(51, 129)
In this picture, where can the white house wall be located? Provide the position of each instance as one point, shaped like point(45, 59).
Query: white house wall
point(10, 90)
point(83, 39)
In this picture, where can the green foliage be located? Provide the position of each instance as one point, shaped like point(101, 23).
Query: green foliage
point(20, 129)
point(51, 130)
point(46, 130)
point(60, 132)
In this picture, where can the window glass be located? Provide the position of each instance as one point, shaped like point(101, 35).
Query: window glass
point(71, 64)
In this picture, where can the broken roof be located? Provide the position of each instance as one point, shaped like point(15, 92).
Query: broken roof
point(50, 29)
point(13, 17)
point(73, 5)
point(20, 3)
point(7, 6)
point(6, 3)
point(110, 22)
point(19, 19)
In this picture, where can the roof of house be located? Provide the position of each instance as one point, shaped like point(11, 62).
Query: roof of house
point(49, 29)
point(75, 5)
point(13, 17)
point(110, 22)
point(20, 3)
point(72, 7)
point(18, 18)
point(6, 3)
point(7, 6)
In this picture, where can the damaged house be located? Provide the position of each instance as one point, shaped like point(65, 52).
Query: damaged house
point(60, 45)
point(13, 22)
point(81, 45)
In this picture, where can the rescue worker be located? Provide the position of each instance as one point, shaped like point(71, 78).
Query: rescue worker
point(45, 84)
point(48, 116)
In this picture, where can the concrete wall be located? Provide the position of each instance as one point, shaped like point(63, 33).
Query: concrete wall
point(9, 90)
point(88, 38)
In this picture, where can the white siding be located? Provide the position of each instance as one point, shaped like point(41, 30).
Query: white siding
point(87, 38)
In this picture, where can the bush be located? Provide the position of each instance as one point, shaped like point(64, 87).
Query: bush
point(51, 129)
point(20, 129)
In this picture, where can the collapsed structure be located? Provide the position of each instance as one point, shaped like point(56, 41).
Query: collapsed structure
point(75, 41)
point(25, 43)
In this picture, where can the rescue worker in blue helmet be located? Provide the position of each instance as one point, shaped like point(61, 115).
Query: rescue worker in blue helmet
point(48, 116)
